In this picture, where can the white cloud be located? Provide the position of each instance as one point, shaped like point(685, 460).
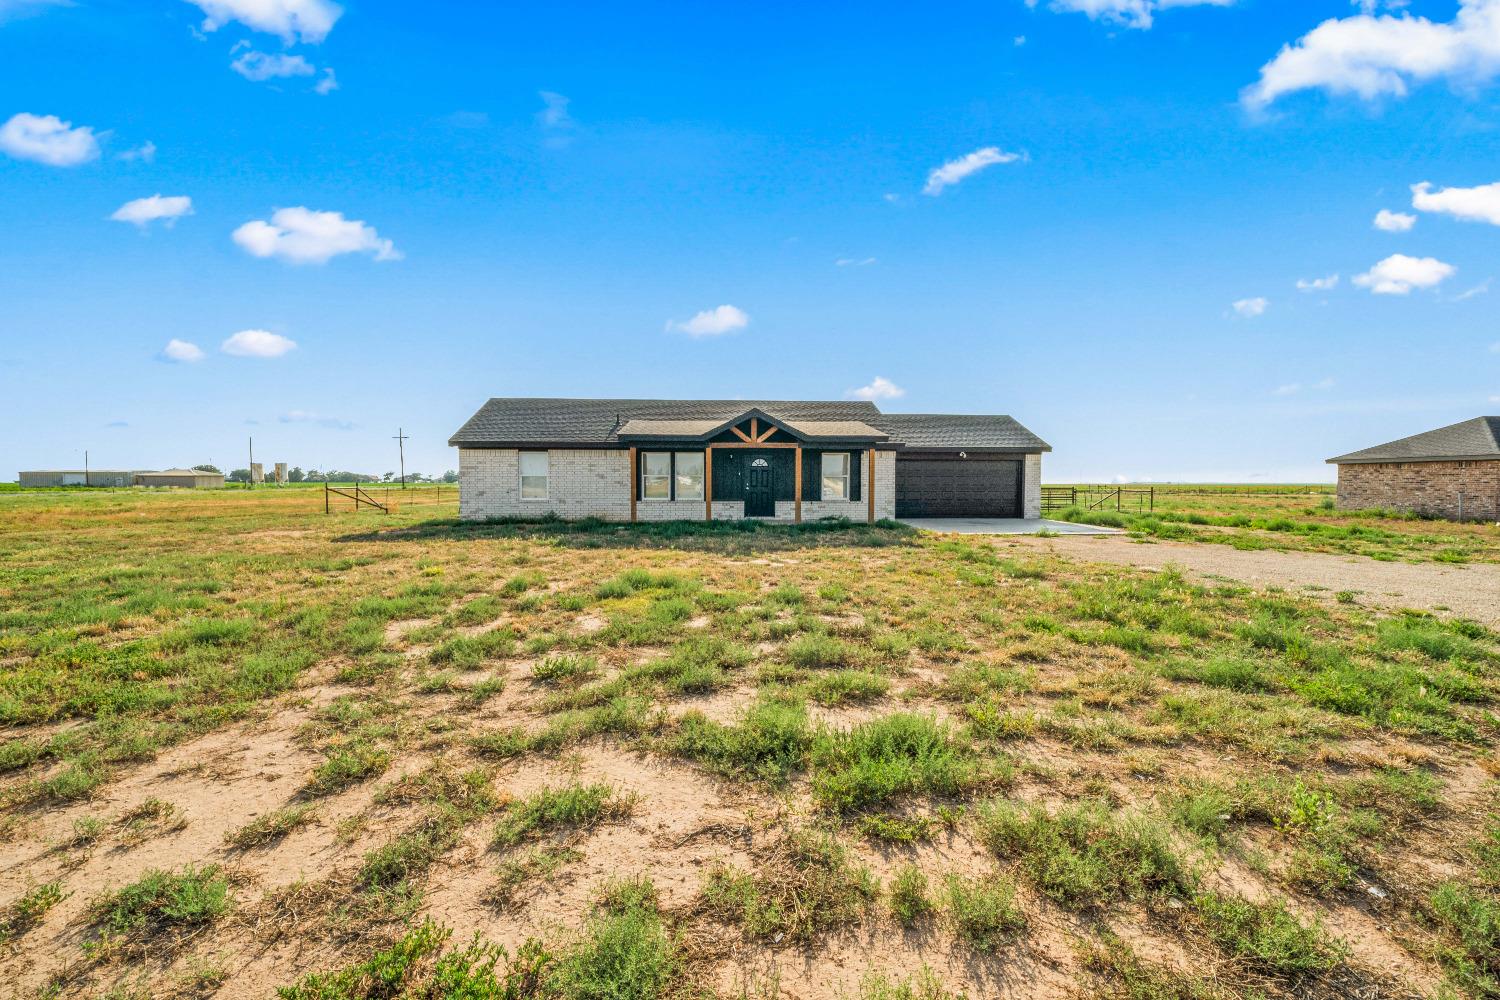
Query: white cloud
point(554, 113)
point(12, 9)
point(182, 351)
point(1479, 289)
point(954, 171)
point(257, 344)
point(1495, 347)
point(1251, 308)
point(292, 20)
point(312, 417)
point(712, 322)
point(303, 236)
point(1325, 284)
point(145, 152)
point(1130, 13)
point(1019, 41)
point(48, 139)
point(854, 261)
point(143, 211)
point(1475, 204)
point(1375, 56)
point(1394, 222)
point(1292, 388)
point(328, 84)
point(259, 66)
point(880, 387)
point(1495, 399)
point(1398, 274)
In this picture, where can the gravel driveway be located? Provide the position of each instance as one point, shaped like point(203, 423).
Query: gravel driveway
point(1467, 591)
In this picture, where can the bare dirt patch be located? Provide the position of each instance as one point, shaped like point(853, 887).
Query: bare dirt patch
point(1471, 591)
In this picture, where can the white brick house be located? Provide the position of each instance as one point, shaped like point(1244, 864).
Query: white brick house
point(661, 460)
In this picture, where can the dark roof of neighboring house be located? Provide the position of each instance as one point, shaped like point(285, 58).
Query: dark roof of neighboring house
point(1478, 438)
point(516, 422)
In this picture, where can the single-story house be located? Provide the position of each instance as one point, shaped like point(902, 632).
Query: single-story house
point(77, 477)
point(705, 459)
point(193, 479)
point(1452, 472)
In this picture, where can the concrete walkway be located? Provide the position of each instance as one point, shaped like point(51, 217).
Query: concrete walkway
point(1004, 526)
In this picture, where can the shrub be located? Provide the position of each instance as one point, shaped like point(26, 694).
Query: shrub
point(161, 900)
point(767, 744)
point(984, 911)
point(910, 903)
point(1083, 855)
point(804, 886)
point(901, 754)
point(1267, 935)
point(550, 808)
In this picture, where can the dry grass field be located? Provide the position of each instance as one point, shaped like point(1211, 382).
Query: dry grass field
point(250, 750)
point(1296, 519)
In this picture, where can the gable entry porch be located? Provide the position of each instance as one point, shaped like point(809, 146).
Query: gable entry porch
point(756, 465)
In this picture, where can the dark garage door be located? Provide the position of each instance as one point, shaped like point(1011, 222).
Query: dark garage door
point(958, 487)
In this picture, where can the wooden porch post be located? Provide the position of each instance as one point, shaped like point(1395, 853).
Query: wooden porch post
point(634, 478)
point(871, 486)
point(797, 487)
point(708, 483)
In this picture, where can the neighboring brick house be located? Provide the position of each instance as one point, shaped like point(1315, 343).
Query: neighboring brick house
point(1452, 472)
point(698, 459)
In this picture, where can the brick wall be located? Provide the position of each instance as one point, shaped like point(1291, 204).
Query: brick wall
point(581, 482)
point(1470, 490)
point(1031, 486)
point(596, 483)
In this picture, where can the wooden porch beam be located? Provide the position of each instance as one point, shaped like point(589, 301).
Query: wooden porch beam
point(708, 483)
point(797, 486)
point(634, 478)
point(741, 435)
point(767, 434)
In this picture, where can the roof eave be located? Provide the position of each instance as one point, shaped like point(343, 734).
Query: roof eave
point(1392, 459)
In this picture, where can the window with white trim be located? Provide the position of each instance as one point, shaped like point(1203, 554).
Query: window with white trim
point(533, 475)
point(656, 475)
point(688, 472)
point(835, 475)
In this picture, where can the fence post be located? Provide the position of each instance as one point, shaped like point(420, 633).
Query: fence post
point(325, 497)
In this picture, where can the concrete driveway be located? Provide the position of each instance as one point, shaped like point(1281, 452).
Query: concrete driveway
point(1004, 526)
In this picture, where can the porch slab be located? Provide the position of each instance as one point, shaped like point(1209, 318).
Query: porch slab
point(1004, 526)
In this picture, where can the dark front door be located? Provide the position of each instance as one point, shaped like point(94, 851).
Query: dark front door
point(760, 493)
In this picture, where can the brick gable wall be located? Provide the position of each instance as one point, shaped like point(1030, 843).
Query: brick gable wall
point(1452, 490)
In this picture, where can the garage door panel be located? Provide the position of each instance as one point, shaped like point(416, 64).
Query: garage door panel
point(942, 487)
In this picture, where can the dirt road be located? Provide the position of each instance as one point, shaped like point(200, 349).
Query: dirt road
point(1468, 591)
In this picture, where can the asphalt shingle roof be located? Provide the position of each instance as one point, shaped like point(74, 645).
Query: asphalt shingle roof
point(960, 430)
point(1478, 438)
point(511, 422)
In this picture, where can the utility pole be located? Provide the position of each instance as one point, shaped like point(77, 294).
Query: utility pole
point(401, 440)
point(250, 472)
point(85, 466)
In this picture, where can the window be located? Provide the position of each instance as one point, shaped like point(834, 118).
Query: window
point(836, 475)
point(689, 475)
point(533, 475)
point(656, 475)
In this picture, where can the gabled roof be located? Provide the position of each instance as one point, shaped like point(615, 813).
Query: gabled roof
point(960, 430)
point(1478, 438)
point(510, 422)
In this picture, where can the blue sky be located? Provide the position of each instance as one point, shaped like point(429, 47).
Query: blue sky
point(394, 211)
